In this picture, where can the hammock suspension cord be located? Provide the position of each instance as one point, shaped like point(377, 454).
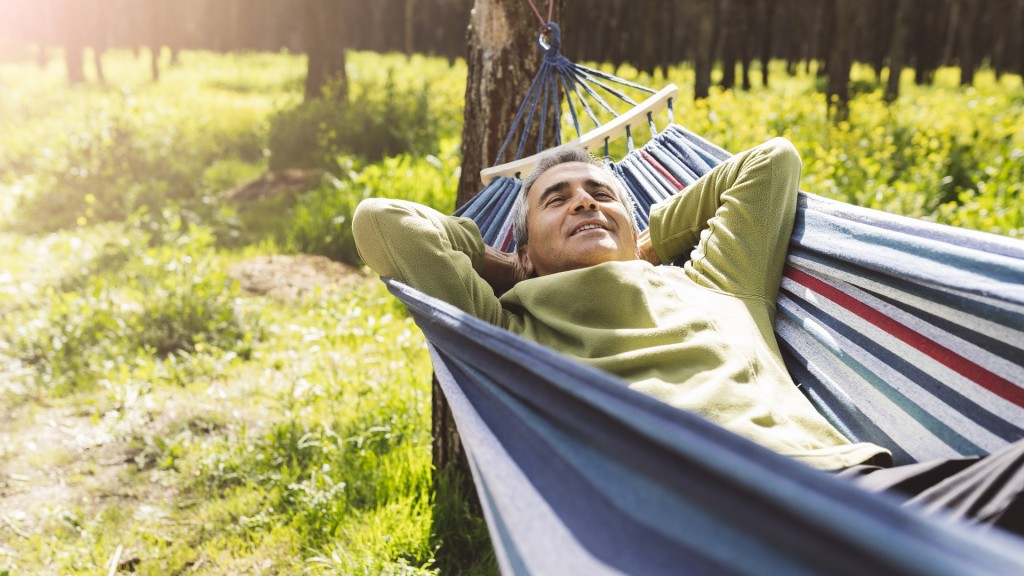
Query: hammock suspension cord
point(559, 75)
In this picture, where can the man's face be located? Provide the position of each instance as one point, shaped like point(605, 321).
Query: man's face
point(575, 219)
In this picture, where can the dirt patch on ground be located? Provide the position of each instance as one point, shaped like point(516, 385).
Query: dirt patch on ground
point(55, 461)
point(274, 184)
point(295, 277)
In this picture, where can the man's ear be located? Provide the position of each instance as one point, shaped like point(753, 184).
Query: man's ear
point(524, 262)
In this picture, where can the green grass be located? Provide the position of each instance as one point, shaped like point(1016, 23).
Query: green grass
point(151, 406)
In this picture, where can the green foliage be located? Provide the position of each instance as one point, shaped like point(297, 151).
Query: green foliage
point(392, 108)
point(137, 302)
point(107, 155)
point(942, 153)
point(321, 222)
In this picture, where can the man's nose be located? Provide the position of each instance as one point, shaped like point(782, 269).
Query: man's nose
point(584, 201)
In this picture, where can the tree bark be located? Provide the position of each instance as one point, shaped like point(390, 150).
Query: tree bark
point(503, 57)
point(410, 26)
point(727, 42)
point(968, 50)
point(898, 49)
point(768, 29)
point(840, 60)
point(705, 23)
point(325, 50)
point(97, 60)
point(71, 13)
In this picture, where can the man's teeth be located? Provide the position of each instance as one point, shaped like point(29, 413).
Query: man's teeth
point(587, 227)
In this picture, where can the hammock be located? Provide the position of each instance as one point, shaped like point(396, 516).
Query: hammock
point(902, 333)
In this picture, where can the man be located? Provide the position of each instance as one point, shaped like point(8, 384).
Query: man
point(586, 283)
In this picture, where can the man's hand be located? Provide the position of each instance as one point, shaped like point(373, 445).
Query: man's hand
point(502, 270)
point(644, 248)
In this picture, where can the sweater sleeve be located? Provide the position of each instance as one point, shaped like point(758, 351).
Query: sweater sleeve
point(436, 254)
point(735, 222)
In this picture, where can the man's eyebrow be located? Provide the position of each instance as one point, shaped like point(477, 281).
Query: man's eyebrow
point(553, 189)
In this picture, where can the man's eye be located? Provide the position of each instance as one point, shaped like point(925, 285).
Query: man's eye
point(555, 200)
point(603, 194)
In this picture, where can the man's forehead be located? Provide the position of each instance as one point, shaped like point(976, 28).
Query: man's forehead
point(568, 172)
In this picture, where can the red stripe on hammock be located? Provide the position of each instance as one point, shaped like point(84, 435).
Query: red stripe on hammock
point(664, 172)
point(978, 374)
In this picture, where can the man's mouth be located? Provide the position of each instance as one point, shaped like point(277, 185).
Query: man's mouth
point(586, 227)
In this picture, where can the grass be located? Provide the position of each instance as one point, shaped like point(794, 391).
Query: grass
point(155, 412)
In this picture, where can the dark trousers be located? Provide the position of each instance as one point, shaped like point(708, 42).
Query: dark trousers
point(987, 490)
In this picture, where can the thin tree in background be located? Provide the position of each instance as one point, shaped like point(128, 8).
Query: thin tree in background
point(767, 30)
point(70, 15)
point(970, 12)
point(898, 49)
point(705, 22)
point(841, 59)
point(325, 49)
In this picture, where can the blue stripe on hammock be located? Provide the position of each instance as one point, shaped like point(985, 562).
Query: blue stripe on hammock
point(909, 249)
point(593, 517)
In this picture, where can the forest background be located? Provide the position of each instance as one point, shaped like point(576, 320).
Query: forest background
point(196, 376)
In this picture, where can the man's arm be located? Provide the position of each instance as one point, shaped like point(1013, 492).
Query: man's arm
point(736, 220)
point(439, 255)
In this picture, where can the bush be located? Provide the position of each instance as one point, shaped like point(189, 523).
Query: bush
point(321, 222)
point(377, 121)
point(139, 303)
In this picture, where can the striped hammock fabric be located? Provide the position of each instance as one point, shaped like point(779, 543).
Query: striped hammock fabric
point(903, 333)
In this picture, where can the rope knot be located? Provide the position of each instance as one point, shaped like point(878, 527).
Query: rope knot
point(550, 39)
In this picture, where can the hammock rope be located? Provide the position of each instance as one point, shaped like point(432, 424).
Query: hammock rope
point(558, 73)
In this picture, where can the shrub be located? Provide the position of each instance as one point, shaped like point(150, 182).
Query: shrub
point(377, 121)
point(151, 302)
point(321, 222)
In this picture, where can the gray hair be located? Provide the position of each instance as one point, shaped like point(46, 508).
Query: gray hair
point(550, 159)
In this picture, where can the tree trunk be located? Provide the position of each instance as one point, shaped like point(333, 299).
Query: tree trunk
point(97, 60)
point(768, 29)
point(410, 22)
point(968, 50)
point(1018, 24)
point(841, 59)
point(824, 37)
point(503, 57)
point(74, 56)
point(154, 61)
point(705, 23)
point(325, 50)
point(898, 49)
point(728, 40)
point(71, 13)
point(746, 16)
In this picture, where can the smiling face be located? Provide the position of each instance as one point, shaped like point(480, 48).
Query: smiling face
point(575, 219)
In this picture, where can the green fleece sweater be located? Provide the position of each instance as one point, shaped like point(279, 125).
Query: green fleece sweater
point(698, 337)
